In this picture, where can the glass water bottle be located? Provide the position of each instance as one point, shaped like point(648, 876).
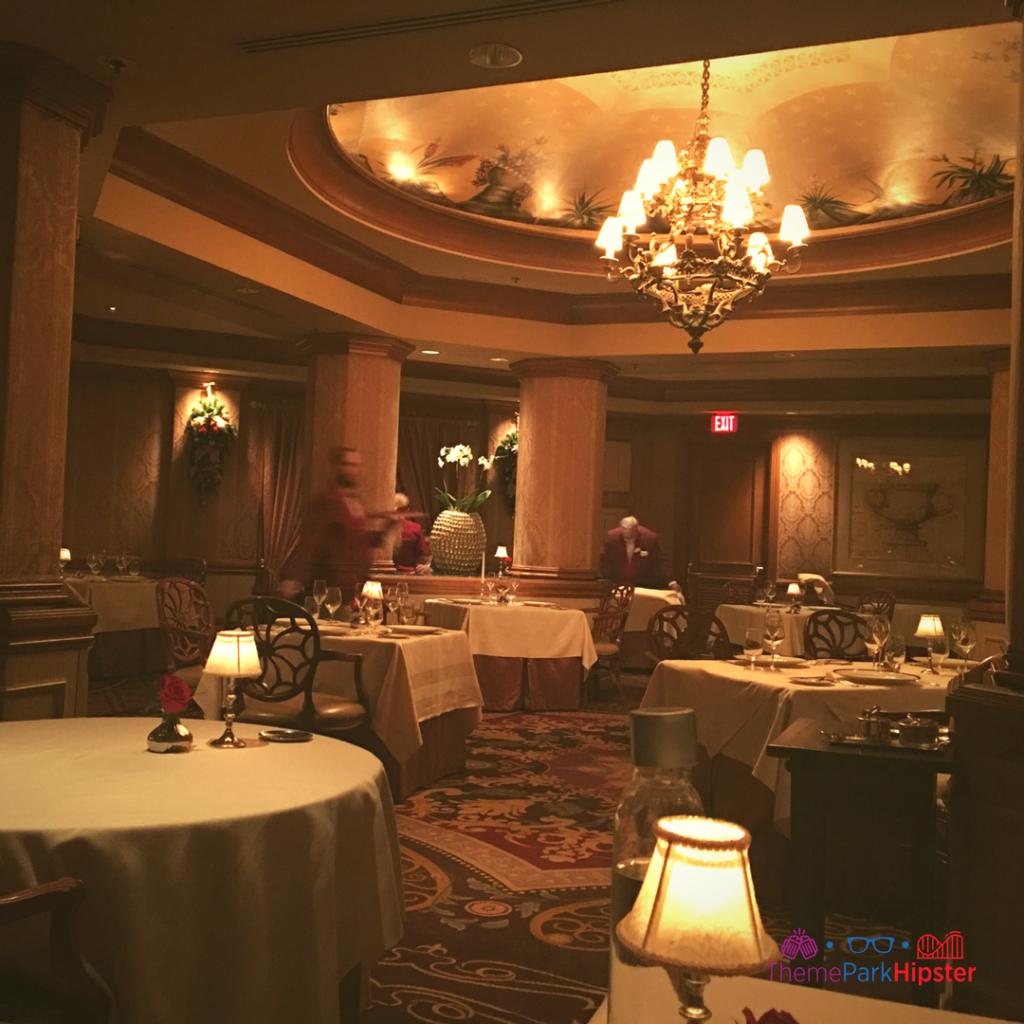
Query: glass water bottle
point(663, 747)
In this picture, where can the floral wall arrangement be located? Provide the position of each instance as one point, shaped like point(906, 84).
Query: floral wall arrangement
point(209, 437)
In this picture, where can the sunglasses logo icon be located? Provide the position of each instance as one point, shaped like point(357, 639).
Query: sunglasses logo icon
point(799, 944)
point(879, 943)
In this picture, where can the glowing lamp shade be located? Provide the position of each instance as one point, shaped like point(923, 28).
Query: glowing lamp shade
point(666, 257)
point(736, 208)
point(930, 626)
point(793, 590)
point(696, 908)
point(65, 555)
point(754, 173)
point(646, 181)
point(631, 210)
point(664, 163)
point(502, 552)
point(372, 591)
point(609, 237)
point(718, 160)
point(794, 227)
point(234, 655)
point(759, 251)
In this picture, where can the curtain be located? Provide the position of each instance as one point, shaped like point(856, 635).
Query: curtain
point(420, 439)
point(281, 485)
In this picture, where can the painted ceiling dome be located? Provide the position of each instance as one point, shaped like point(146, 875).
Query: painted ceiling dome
point(857, 133)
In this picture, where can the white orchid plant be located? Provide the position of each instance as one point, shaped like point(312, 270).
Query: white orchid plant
point(461, 456)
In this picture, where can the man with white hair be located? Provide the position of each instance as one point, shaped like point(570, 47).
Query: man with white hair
point(632, 554)
point(410, 551)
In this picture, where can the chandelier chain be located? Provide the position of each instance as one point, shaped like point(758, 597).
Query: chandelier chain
point(705, 87)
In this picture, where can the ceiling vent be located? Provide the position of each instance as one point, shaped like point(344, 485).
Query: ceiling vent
point(479, 15)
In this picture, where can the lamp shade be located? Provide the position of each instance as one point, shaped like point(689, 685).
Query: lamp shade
point(794, 590)
point(502, 552)
point(664, 163)
point(609, 237)
point(372, 590)
point(65, 555)
point(755, 170)
point(929, 626)
point(718, 159)
point(696, 907)
point(794, 227)
point(234, 654)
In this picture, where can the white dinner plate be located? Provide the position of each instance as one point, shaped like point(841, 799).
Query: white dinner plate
point(811, 681)
point(416, 630)
point(782, 661)
point(869, 677)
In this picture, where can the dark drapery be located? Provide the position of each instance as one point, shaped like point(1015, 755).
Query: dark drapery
point(281, 483)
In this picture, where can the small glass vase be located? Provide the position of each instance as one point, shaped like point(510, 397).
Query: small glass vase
point(170, 737)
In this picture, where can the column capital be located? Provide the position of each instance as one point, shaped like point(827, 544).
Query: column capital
point(996, 359)
point(586, 369)
point(59, 89)
point(342, 343)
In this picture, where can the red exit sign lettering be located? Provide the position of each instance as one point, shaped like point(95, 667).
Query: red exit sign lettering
point(723, 423)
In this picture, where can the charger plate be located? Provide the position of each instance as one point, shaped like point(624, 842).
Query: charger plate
point(285, 736)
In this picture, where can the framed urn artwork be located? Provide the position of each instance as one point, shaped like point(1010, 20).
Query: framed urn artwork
point(911, 507)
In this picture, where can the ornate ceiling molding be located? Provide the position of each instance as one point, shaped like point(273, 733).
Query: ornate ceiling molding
point(341, 183)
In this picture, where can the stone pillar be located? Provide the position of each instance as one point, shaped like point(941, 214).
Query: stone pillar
point(48, 112)
point(352, 392)
point(989, 606)
point(561, 462)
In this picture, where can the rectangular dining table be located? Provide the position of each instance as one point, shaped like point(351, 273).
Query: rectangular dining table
point(422, 688)
point(527, 656)
point(740, 711)
point(221, 886)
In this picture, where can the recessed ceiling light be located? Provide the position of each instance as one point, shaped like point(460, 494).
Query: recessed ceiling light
point(498, 359)
point(429, 352)
point(784, 355)
point(495, 55)
point(113, 309)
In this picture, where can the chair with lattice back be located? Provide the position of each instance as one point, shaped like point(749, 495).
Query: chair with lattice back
point(835, 633)
point(186, 621)
point(607, 628)
point(878, 602)
point(681, 632)
point(288, 642)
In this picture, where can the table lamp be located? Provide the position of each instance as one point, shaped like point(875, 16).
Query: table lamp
point(696, 914)
point(794, 593)
point(65, 557)
point(502, 556)
point(233, 656)
point(370, 593)
point(929, 628)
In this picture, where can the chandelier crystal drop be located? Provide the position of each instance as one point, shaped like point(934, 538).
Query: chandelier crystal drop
point(698, 191)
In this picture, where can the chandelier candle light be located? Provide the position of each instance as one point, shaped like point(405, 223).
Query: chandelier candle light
point(699, 191)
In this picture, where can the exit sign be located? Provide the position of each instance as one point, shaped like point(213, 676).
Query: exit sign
point(723, 423)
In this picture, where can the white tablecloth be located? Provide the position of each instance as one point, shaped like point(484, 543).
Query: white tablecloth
point(647, 603)
point(518, 631)
point(407, 681)
point(127, 602)
point(229, 887)
point(741, 710)
point(738, 618)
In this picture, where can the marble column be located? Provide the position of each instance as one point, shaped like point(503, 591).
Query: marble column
point(989, 605)
point(352, 393)
point(562, 406)
point(48, 112)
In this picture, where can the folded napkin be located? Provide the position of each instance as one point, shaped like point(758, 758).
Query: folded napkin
point(821, 585)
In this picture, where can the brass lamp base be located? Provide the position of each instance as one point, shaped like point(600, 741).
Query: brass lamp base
point(689, 987)
point(227, 741)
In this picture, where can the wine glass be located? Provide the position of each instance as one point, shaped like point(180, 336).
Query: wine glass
point(774, 631)
point(333, 600)
point(319, 594)
point(312, 608)
point(375, 612)
point(93, 562)
point(393, 600)
point(897, 652)
point(133, 567)
point(513, 586)
point(121, 562)
point(102, 556)
point(408, 611)
point(965, 639)
point(769, 593)
point(489, 583)
point(752, 645)
point(938, 652)
point(878, 627)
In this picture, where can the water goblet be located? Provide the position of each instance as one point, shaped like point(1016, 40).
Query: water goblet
point(332, 599)
point(878, 630)
point(102, 556)
point(774, 631)
point(93, 562)
point(966, 640)
point(121, 562)
point(938, 652)
point(393, 601)
point(769, 593)
point(752, 645)
point(489, 583)
point(133, 567)
point(408, 612)
point(375, 612)
point(513, 586)
point(319, 594)
point(312, 608)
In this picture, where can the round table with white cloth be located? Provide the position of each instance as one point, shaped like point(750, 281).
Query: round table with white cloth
point(122, 602)
point(221, 885)
point(738, 618)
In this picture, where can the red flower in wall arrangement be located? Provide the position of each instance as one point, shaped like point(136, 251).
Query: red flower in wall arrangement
point(209, 437)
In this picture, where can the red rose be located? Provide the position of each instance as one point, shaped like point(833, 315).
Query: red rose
point(174, 695)
point(214, 427)
point(354, 605)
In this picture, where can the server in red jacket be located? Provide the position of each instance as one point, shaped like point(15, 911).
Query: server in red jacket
point(632, 554)
point(410, 551)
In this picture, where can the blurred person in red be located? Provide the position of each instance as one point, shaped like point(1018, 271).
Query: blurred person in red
point(411, 552)
point(632, 554)
point(336, 545)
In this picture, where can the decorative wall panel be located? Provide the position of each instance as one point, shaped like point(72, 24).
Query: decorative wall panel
point(806, 509)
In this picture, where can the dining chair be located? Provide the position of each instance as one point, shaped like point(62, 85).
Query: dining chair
point(186, 621)
point(835, 633)
point(74, 997)
point(282, 696)
point(193, 569)
point(686, 633)
point(878, 602)
point(606, 631)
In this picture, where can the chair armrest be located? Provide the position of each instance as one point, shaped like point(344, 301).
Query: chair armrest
point(356, 660)
point(63, 894)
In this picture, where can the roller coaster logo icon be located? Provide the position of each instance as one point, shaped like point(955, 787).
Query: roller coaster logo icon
point(950, 948)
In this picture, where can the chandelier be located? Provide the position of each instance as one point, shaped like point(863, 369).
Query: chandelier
point(700, 191)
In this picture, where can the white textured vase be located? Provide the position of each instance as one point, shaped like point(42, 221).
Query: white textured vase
point(457, 543)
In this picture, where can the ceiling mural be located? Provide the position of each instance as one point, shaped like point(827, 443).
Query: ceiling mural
point(856, 132)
